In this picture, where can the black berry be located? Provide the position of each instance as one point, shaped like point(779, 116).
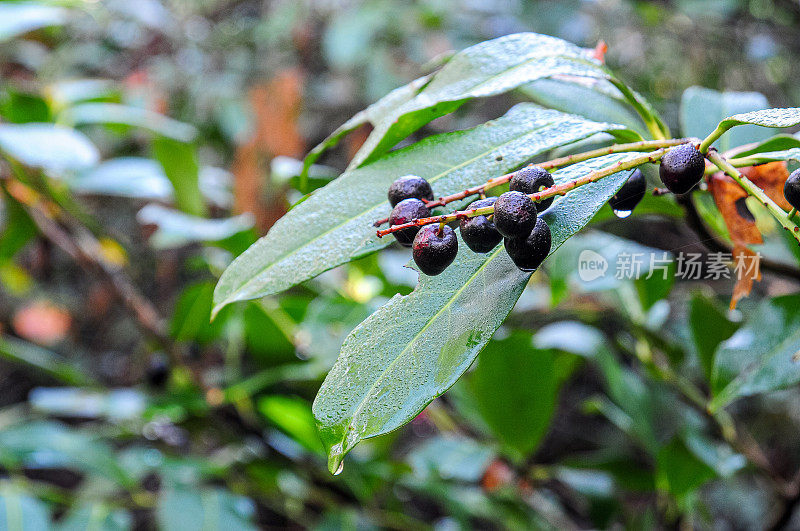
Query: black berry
point(528, 253)
point(791, 189)
point(682, 168)
point(405, 211)
point(531, 180)
point(514, 215)
point(157, 372)
point(408, 187)
point(434, 250)
point(630, 194)
point(479, 233)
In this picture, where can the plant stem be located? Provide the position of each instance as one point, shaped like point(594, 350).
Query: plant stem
point(749, 187)
point(642, 145)
point(559, 189)
point(792, 212)
point(705, 145)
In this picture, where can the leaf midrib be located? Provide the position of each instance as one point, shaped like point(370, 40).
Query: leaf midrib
point(232, 297)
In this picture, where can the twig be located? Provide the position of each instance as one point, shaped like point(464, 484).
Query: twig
point(559, 189)
point(749, 187)
point(643, 145)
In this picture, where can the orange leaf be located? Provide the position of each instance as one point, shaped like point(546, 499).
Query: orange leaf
point(747, 266)
point(770, 177)
point(730, 200)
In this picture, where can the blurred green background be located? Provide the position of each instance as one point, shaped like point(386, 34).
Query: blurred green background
point(180, 127)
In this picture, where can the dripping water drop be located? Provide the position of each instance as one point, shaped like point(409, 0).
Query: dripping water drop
point(339, 470)
point(622, 214)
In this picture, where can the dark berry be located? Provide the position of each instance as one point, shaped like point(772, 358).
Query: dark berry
point(405, 211)
point(682, 168)
point(408, 187)
point(157, 372)
point(791, 189)
point(434, 250)
point(630, 194)
point(479, 233)
point(514, 215)
point(528, 253)
point(531, 180)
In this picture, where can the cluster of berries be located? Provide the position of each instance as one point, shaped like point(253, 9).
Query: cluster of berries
point(516, 219)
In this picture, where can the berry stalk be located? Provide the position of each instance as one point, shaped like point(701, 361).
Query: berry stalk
point(642, 145)
point(559, 189)
point(778, 213)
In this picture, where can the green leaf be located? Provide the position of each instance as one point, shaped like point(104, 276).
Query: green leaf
point(335, 223)
point(593, 103)
point(774, 143)
point(51, 147)
point(708, 327)
point(175, 229)
point(192, 312)
point(21, 512)
point(679, 471)
point(516, 387)
point(43, 360)
point(762, 356)
point(179, 161)
point(19, 228)
point(415, 347)
point(118, 114)
point(452, 458)
point(95, 517)
point(787, 117)
point(702, 109)
point(20, 18)
point(293, 416)
point(207, 509)
point(482, 70)
point(50, 444)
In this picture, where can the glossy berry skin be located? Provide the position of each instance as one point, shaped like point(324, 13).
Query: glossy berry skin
point(630, 194)
point(791, 189)
point(408, 187)
point(529, 253)
point(514, 215)
point(531, 180)
point(479, 233)
point(433, 251)
point(682, 168)
point(405, 211)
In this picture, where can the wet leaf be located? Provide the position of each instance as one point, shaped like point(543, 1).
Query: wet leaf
point(415, 347)
point(335, 223)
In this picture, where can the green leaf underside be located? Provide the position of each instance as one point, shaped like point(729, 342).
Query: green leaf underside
point(415, 347)
point(486, 69)
point(48, 146)
point(762, 355)
point(593, 102)
point(335, 223)
point(702, 109)
point(787, 117)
